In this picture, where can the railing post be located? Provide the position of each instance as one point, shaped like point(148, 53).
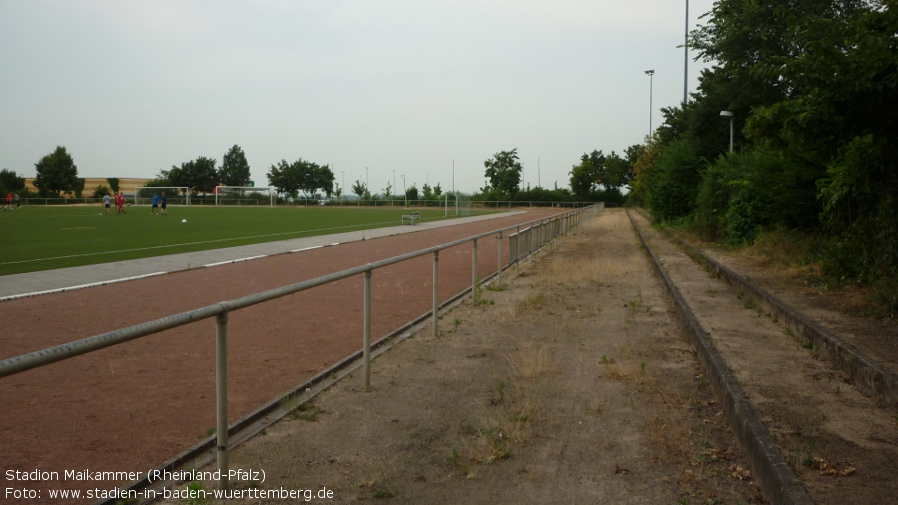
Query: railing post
point(474, 273)
point(517, 251)
point(366, 344)
point(221, 396)
point(436, 292)
point(499, 272)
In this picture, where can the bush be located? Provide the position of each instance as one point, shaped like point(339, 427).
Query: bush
point(101, 191)
point(674, 180)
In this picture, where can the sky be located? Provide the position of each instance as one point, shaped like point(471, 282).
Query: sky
point(402, 87)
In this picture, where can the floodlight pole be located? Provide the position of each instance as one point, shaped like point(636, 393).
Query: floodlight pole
point(404, 190)
point(686, 59)
point(453, 175)
point(539, 183)
point(651, 74)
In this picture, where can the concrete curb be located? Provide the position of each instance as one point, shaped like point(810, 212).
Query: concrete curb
point(775, 478)
point(873, 378)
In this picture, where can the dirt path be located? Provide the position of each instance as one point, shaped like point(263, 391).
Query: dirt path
point(816, 416)
point(571, 385)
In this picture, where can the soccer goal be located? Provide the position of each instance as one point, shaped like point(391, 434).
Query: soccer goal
point(244, 195)
point(462, 205)
point(175, 195)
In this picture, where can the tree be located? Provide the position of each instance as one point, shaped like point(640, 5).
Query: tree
point(411, 193)
point(323, 179)
point(284, 179)
point(101, 190)
point(113, 183)
point(675, 180)
point(359, 188)
point(10, 182)
point(201, 175)
point(56, 173)
point(388, 191)
point(234, 169)
point(504, 172)
point(586, 176)
point(301, 175)
point(618, 172)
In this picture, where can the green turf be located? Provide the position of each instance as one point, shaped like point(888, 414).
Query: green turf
point(42, 238)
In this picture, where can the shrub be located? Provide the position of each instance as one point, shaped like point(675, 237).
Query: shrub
point(101, 190)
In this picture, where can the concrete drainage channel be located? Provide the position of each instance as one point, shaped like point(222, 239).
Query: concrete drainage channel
point(776, 479)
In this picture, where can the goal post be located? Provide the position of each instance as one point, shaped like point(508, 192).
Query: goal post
point(245, 195)
point(176, 195)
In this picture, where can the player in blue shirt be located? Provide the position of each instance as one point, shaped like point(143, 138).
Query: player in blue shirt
point(155, 202)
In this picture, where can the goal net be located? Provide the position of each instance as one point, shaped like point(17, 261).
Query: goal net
point(244, 195)
point(456, 204)
point(175, 195)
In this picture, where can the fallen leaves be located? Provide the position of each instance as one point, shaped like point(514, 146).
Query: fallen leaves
point(832, 469)
point(739, 473)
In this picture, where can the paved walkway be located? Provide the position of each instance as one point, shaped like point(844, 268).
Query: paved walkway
point(66, 279)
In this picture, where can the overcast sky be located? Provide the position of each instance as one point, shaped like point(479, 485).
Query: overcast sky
point(133, 87)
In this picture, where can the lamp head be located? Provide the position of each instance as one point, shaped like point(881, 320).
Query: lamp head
point(649, 72)
point(726, 113)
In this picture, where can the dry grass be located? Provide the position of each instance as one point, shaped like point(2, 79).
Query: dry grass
point(374, 479)
point(531, 303)
point(532, 360)
point(589, 266)
point(629, 370)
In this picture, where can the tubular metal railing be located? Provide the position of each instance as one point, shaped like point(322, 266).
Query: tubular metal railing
point(523, 243)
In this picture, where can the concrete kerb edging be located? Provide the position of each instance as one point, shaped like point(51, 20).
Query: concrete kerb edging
point(775, 478)
point(873, 378)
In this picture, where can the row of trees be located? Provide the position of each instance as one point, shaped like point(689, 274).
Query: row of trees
point(596, 178)
point(813, 87)
point(590, 179)
point(202, 176)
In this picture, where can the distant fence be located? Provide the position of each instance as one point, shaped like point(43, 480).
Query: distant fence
point(210, 200)
point(527, 239)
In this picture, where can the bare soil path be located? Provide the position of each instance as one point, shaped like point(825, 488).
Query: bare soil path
point(572, 384)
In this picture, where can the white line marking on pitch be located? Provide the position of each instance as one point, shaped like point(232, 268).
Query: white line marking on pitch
point(235, 261)
point(81, 286)
point(307, 248)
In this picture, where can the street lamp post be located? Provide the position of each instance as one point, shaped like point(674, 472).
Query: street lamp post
point(651, 74)
point(343, 192)
point(366, 179)
point(686, 59)
point(404, 191)
point(394, 186)
point(726, 113)
point(539, 183)
point(453, 176)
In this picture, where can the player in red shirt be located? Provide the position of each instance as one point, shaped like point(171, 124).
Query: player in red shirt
point(120, 202)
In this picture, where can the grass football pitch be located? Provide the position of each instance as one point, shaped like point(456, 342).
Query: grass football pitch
point(42, 238)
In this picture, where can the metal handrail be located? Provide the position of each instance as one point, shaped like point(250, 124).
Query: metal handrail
point(221, 310)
